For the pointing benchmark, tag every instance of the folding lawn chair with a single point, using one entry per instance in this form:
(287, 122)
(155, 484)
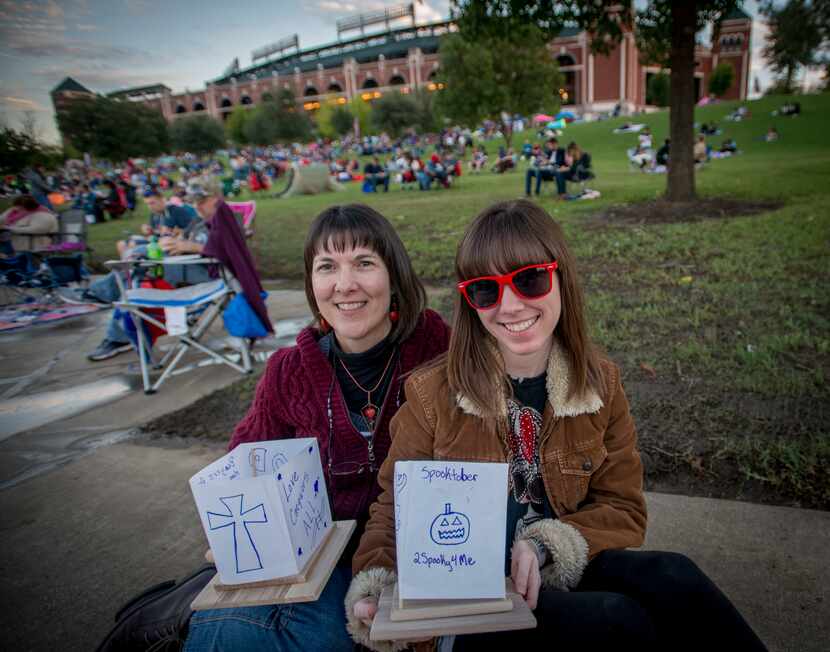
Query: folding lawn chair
(199, 305)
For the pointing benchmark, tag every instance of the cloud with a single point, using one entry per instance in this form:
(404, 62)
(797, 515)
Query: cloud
(85, 27)
(20, 103)
(330, 11)
(104, 77)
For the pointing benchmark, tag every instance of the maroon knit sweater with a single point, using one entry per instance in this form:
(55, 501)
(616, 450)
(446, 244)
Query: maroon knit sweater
(291, 398)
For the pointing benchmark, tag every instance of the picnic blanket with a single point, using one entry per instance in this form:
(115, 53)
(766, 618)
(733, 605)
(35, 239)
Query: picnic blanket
(33, 314)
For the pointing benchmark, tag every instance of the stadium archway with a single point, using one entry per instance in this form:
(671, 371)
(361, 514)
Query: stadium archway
(370, 83)
(397, 80)
(226, 103)
(246, 99)
(198, 106)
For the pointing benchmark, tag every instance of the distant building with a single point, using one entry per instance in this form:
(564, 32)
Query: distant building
(404, 59)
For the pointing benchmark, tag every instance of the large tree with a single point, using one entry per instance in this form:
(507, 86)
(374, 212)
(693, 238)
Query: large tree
(199, 134)
(665, 34)
(394, 113)
(795, 35)
(112, 129)
(493, 73)
(278, 120)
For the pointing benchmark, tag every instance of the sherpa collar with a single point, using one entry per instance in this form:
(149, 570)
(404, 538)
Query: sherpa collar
(558, 383)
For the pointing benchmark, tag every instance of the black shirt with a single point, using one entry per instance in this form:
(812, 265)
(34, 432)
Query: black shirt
(528, 393)
(366, 367)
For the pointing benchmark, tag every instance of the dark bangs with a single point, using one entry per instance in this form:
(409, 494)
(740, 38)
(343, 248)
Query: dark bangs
(345, 227)
(503, 238)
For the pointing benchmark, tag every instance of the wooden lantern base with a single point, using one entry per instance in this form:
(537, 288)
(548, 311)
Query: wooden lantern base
(305, 587)
(402, 620)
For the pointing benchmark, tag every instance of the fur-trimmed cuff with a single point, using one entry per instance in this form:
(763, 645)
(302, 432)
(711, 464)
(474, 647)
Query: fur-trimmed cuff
(568, 552)
(369, 583)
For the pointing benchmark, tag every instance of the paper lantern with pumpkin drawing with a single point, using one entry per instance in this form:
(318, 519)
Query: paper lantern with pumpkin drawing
(450, 528)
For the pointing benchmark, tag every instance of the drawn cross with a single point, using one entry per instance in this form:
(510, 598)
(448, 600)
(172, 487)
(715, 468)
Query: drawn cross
(244, 550)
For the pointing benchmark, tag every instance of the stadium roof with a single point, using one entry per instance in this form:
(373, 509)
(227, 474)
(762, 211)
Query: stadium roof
(393, 44)
(139, 90)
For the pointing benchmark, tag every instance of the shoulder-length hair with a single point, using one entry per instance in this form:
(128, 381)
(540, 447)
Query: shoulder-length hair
(348, 226)
(505, 237)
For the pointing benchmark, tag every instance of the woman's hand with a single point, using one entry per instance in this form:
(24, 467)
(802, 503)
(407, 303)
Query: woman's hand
(524, 569)
(365, 610)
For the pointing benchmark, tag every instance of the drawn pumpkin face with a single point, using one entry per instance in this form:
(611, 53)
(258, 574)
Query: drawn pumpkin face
(450, 528)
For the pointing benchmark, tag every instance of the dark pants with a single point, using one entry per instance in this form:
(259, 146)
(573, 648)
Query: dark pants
(541, 175)
(377, 180)
(631, 600)
(562, 178)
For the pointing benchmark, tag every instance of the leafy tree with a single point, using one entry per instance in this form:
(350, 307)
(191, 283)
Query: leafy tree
(333, 120)
(19, 150)
(427, 114)
(658, 91)
(235, 125)
(795, 35)
(481, 80)
(198, 134)
(665, 33)
(394, 113)
(342, 120)
(721, 79)
(113, 130)
(278, 120)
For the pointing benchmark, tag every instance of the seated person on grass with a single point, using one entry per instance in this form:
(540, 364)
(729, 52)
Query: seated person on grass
(663, 153)
(434, 170)
(25, 226)
(164, 220)
(376, 174)
(543, 168)
(577, 168)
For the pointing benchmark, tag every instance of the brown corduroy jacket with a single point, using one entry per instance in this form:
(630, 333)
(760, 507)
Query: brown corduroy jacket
(589, 460)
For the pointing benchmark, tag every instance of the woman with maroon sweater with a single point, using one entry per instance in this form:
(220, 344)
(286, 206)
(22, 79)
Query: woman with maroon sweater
(342, 383)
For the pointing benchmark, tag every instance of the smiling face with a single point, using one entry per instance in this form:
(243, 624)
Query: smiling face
(353, 291)
(523, 329)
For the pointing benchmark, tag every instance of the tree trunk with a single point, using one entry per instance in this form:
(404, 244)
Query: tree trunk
(681, 175)
(788, 84)
(507, 132)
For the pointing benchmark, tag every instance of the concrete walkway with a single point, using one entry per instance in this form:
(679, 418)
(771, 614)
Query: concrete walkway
(92, 514)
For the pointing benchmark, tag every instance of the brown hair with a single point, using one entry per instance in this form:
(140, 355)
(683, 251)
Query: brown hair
(358, 225)
(504, 237)
(575, 151)
(26, 202)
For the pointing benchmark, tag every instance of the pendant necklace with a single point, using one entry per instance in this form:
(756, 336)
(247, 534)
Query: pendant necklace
(370, 410)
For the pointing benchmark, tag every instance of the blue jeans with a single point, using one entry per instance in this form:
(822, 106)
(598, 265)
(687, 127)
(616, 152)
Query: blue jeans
(541, 175)
(300, 627)
(106, 289)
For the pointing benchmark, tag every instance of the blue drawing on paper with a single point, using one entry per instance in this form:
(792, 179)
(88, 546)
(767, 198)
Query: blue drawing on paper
(450, 528)
(277, 460)
(257, 458)
(237, 517)
(400, 483)
(316, 487)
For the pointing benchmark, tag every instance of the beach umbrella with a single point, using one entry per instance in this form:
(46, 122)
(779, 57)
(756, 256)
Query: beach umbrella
(557, 124)
(565, 115)
(541, 117)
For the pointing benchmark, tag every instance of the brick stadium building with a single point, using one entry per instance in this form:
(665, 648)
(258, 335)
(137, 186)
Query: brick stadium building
(403, 59)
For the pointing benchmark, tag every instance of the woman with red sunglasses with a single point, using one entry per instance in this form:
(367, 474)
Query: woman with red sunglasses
(522, 383)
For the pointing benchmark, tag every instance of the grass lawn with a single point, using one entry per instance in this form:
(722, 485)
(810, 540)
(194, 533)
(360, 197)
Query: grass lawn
(720, 325)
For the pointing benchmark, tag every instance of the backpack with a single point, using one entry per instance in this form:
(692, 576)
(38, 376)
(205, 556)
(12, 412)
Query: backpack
(158, 618)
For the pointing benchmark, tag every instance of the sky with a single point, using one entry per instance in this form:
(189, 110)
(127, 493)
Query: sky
(108, 45)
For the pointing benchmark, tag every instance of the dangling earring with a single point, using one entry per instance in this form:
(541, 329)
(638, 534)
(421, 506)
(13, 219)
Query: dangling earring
(324, 325)
(393, 310)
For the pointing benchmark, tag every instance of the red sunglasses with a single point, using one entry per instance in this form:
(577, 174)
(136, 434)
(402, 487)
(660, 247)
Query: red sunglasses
(530, 282)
